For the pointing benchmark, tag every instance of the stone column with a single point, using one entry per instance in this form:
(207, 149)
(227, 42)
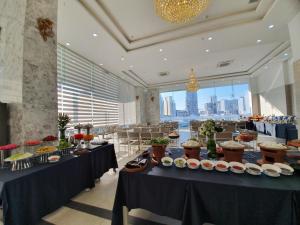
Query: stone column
(152, 106)
(35, 115)
(294, 30)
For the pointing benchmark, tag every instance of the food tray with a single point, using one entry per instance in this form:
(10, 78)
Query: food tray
(21, 164)
(135, 170)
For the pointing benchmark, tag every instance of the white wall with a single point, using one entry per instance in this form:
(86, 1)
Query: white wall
(294, 30)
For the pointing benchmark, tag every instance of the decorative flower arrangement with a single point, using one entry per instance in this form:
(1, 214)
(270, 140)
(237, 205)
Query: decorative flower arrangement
(209, 128)
(50, 138)
(63, 120)
(8, 147)
(32, 142)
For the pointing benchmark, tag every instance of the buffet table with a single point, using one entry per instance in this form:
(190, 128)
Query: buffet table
(198, 196)
(30, 194)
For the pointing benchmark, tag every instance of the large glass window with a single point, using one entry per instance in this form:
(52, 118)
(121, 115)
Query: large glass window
(86, 92)
(228, 102)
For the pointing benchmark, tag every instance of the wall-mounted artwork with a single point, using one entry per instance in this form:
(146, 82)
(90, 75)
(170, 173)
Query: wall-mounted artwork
(45, 27)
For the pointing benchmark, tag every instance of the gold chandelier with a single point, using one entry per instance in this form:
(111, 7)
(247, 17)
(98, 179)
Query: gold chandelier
(192, 85)
(180, 11)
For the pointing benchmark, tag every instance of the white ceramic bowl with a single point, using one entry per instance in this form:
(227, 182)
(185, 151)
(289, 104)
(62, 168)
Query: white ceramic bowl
(253, 169)
(167, 159)
(221, 169)
(178, 166)
(268, 168)
(285, 169)
(204, 162)
(53, 158)
(196, 161)
(234, 169)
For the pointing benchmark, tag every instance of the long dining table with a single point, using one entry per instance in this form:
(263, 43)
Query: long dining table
(199, 196)
(30, 194)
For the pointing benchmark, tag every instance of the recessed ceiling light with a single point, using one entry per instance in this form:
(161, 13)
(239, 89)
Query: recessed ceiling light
(101, 64)
(207, 50)
(210, 38)
(286, 54)
(266, 67)
(95, 35)
(258, 41)
(165, 59)
(67, 43)
(131, 66)
(160, 49)
(271, 26)
(122, 58)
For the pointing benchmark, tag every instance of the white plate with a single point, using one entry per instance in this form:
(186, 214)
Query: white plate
(277, 170)
(193, 161)
(169, 159)
(221, 169)
(53, 161)
(284, 167)
(184, 162)
(232, 169)
(253, 172)
(207, 161)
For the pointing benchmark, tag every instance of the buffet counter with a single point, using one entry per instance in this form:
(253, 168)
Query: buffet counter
(30, 194)
(199, 196)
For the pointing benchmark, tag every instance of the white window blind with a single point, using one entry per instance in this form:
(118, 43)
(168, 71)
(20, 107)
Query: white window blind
(86, 92)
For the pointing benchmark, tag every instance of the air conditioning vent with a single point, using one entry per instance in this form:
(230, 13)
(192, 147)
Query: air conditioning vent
(162, 74)
(225, 63)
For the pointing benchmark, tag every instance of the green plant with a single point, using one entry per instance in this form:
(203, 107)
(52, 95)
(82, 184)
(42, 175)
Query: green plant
(63, 120)
(159, 141)
(63, 144)
(209, 128)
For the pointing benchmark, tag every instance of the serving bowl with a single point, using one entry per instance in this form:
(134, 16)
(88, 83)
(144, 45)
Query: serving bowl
(253, 169)
(207, 164)
(180, 162)
(167, 161)
(193, 163)
(222, 166)
(237, 167)
(271, 170)
(285, 169)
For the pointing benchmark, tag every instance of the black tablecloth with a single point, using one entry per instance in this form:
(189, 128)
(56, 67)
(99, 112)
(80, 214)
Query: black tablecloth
(198, 196)
(30, 194)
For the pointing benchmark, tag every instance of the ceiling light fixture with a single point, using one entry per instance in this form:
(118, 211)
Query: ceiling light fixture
(286, 54)
(165, 59)
(258, 41)
(101, 64)
(160, 49)
(122, 58)
(68, 44)
(207, 50)
(95, 35)
(131, 66)
(210, 38)
(180, 11)
(271, 26)
(192, 85)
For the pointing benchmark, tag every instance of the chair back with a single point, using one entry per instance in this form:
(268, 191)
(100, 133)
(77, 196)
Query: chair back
(133, 135)
(146, 136)
(157, 134)
(122, 134)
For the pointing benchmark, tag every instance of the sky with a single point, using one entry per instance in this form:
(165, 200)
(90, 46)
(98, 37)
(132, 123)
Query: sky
(223, 92)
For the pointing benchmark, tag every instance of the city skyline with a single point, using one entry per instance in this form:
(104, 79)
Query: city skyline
(209, 101)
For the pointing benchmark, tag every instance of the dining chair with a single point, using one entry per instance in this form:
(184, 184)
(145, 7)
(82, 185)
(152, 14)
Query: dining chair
(123, 140)
(145, 138)
(157, 134)
(134, 140)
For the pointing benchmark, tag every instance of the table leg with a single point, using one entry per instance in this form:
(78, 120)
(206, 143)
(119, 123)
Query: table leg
(125, 215)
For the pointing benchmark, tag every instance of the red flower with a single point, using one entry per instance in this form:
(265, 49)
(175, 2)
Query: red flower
(78, 136)
(8, 147)
(32, 142)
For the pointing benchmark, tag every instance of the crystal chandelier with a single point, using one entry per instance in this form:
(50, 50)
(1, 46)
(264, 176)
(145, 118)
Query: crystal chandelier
(192, 85)
(180, 11)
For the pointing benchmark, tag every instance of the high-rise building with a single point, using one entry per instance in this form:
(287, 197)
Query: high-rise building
(192, 103)
(161, 106)
(169, 106)
(242, 105)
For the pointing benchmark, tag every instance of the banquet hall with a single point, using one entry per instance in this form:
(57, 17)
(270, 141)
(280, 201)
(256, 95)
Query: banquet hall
(149, 112)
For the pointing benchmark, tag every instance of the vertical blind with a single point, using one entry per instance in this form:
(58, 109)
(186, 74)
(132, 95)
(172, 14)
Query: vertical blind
(86, 92)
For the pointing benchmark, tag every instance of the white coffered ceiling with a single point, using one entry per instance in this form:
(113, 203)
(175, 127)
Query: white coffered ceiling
(131, 29)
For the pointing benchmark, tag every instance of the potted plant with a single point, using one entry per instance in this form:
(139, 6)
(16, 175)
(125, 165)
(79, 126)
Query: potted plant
(159, 147)
(192, 148)
(208, 129)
